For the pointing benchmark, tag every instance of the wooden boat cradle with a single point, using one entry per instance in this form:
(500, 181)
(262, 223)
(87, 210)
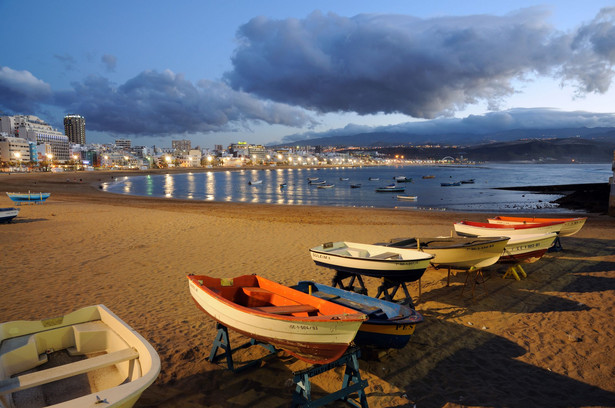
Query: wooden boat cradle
(388, 287)
(302, 396)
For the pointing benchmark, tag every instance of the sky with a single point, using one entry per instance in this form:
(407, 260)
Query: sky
(278, 71)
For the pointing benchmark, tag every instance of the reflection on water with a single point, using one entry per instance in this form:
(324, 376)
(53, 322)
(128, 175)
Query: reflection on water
(234, 186)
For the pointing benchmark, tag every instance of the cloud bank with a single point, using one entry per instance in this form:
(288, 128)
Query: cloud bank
(152, 103)
(420, 67)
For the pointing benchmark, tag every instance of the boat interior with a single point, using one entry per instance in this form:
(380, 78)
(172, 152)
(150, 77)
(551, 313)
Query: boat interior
(60, 364)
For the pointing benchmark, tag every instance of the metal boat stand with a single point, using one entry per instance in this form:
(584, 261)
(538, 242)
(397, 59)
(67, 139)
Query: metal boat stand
(512, 270)
(222, 341)
(557, 245)
(338, 281)
(477, 278)
(352, 383)
(388, 288)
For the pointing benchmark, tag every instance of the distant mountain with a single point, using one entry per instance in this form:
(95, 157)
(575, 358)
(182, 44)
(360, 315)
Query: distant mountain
(382, 139)
(566, 150)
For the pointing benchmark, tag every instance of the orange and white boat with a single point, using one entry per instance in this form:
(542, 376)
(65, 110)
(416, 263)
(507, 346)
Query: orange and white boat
(571, 225)
(314, 330)
(485, 229)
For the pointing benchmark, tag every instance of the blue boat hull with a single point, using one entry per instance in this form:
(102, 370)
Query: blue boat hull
(389, 324)
(28, 198)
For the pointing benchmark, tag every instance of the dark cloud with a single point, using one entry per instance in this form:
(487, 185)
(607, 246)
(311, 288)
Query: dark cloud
(109, 61)
(420, 67)
(154, 103)
(20, 91)
(519, 118)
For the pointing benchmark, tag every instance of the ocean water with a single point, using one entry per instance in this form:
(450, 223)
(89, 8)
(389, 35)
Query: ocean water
(234, 186)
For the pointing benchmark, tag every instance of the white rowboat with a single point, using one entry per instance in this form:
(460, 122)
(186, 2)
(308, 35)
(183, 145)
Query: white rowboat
(120, 364)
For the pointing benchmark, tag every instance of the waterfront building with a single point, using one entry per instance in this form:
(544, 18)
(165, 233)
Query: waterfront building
(124, 144)
(74, 128)
(35, 130)
(14, 150)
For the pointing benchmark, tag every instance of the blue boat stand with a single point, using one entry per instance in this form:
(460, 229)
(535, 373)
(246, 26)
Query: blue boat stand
(352, 383)
(222, 341)
(388, 288)
(302, 397)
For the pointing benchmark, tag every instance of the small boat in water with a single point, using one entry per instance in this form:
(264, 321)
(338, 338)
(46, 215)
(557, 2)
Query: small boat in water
(388, 324)
(400, 264)
(452, 184)
(374, 178)
(312, 178)
(317, 182)
(255, 182)
(571, 225)
(326, 186)
(391, 188)
(478, 229)
(527, 248)
(456, 252)
(28, 197)
(469, 181)
(87, 358)
(7, 214)
(402, 179)
(313, 330)
(406, 198)
(344, 178)
(429, 176)
(358, 185)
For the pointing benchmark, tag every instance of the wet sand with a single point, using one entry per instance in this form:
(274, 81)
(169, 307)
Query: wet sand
(544, 341)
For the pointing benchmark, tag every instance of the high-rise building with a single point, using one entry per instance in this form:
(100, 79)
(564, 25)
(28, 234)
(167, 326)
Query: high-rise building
(181, 146)
(34, 129)
(74, 128)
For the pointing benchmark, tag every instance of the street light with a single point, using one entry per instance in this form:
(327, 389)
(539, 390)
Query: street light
(18, 156)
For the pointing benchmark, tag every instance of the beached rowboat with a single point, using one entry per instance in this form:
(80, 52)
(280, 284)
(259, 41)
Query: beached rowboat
(482, 229)
(87, 358)
(457, 252)
(399, 264)
(7, 214)
(28, 197)
(407, 198)
(571, 225)
(527, 248)
(388, 324)
(313, 330)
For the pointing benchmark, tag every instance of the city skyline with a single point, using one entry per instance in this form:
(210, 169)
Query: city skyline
(281, 71)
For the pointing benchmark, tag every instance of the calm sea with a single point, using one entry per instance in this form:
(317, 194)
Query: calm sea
(234, 186)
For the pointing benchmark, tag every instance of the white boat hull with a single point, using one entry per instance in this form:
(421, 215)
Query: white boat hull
(475, 231)
(7, 214)
(527, 248)
(371, 260)
(570, 227)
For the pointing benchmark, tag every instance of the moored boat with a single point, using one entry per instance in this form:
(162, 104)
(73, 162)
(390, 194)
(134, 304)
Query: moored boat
(326, 185)
(429, 176)
(313, 330)
(477, 229)
(255, 182)
(399, 264)
(120, 364)
(571, 225)
(28, 197)
(388, 324)
(402, 179)
(7, 214)
(527, 248)
(457, 252)
(391, 188)
(407, 198)
(317, 182)
(452, 184)
(357, 185)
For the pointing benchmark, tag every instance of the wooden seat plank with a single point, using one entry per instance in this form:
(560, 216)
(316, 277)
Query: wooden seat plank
(385, 255)
(37, 378)
(285, 310)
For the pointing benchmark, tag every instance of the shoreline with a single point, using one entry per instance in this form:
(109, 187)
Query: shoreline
(542, 341)
(590, 198)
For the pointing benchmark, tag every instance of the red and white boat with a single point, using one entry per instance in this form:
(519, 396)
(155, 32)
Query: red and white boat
(571, 225)
(527, 248)
(485, 229)
(312, 329)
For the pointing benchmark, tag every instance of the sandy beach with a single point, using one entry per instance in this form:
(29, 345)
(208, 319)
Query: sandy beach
(545, 341)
